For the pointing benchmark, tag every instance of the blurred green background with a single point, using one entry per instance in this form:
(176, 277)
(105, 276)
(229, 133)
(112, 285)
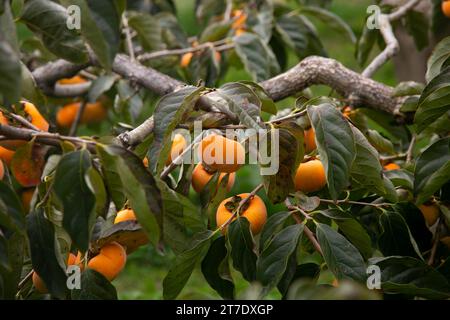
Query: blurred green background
(146, 269)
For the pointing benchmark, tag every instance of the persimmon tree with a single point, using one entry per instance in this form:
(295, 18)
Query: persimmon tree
(363, 173)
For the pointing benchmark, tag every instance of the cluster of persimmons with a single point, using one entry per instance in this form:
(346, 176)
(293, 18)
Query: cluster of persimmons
(111, 258)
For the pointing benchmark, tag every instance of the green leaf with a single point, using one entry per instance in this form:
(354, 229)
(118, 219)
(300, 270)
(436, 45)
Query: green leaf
(400, 178)
(410, 276)
(10, 72)
(417, 25)
(177, 211)
(171, 110)
(113, 183)
(432, 170)
(100, 86)
(297, 32)
(366, 169)
(129, 234)
(261, 20)
(434, 101)
(44, 258)
(380, 143)
(8, 26)
(396, 239)
(273, 261)
(94, 286)
(95, 183)
(216, 270)
(30, 90)
(100, 27)
(342, 258)
(11, 211)
(416, 224)
(439, 57)
(215, 31)
(242, 248)
(306, 203)
(242, 101)
(258, 59)
(184, 264)
(267, 104)
(148, 30)
(273, 225)
(16, 247)
(408, 88)
(48, 19)
(365, 44)
(290, 153)
(77, 199)
(352, 229)
(140, 188)
(335, 143)
(330, 19)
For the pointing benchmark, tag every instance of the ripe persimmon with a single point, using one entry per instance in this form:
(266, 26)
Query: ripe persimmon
(92, 113)
(446, 8)
(73, 260)
(347, 111)
(391, 166)
(240, 19)
(310, 140)
(310, 176)
(200, 177)
(6, 155)
(33, 115)
(145, 162)
(221, 154)
(125, 215)
(254, 210)
(186, 59)
(430, 212)
(74, 80)
(110, 261)
(178, 145)
(39, 284)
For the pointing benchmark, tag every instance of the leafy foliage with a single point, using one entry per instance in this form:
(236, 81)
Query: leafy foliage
(64, 192)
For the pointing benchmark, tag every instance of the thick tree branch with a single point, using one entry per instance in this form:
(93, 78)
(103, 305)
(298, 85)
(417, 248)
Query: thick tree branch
(311, 71)
(317, 70)
(47, 75)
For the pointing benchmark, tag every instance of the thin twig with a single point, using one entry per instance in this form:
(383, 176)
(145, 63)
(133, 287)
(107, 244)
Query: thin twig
(376, 205)
(179, 52)
(402, 10)
(23, 121)
(129, 40)
(288, 117)
(228, 10)
(25, 279)
(176, 161)
(393, 157)
(239, 207)
(307, 231)
(78, 117)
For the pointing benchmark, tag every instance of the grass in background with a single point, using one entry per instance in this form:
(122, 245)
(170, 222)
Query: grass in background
(145, 269)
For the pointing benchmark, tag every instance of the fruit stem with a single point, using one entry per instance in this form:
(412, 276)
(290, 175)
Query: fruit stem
(306, 229)
(175, 161)
(76, 122)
